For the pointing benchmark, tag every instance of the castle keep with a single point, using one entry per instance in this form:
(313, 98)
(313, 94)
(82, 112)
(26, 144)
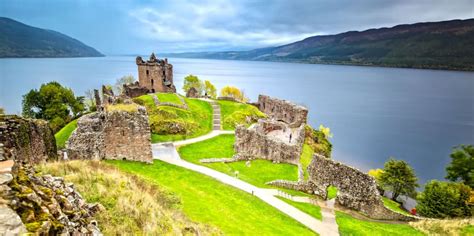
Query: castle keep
(155, 75)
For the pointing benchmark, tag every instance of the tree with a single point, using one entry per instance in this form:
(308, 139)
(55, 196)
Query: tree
(398, 177)
(462, 165)
(376, 173)
(234, 92)
(2, 111)
(209, 89)
(128, 79)
(192, 81)
(54, 103)
(445, 199)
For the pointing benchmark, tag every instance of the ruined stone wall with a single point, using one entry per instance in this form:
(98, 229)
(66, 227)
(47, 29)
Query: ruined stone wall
(134, 90)
(253, 143)
(283, 110)
(26, 139)
(42, 205)
(112, 135)
(155, 75)
(356, 190)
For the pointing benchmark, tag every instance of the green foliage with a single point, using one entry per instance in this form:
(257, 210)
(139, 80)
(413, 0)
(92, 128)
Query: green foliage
(192, 81)
(308, 208)
(170, 123)
(331, 192)
(2, 111)
(398, 177)
(209, 201)
(210, 89)
(234, 92)
(349, 225)
(54, 103)
(445, 199)
(305, 159)
(318, 141)
(462, 165)
(63, 135)
(127, 79)
(376, 173)
(235, 113)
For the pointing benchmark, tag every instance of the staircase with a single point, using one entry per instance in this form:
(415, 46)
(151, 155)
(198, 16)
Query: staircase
(216, 115)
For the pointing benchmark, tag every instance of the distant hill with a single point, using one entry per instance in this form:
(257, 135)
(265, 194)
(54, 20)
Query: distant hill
(434, 45)
(20, 40)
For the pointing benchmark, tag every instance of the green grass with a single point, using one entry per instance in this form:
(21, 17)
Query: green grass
(332, 192)
(468, 230)
(171, 123)
(169, 97)
(63, 135)
(352, 226)
(394, 206)
(307, 208)
(234, 113)
(208, 201)
(306, 157)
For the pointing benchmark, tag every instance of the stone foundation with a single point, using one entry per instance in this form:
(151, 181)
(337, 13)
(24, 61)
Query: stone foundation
(118, 135)
(283, 110)
(26, 140)
(356, 190)
(269, 140)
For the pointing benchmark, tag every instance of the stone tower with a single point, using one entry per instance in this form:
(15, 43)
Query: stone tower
(155, 75)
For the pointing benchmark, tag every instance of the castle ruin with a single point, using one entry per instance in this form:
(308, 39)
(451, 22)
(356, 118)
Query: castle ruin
(155, 75)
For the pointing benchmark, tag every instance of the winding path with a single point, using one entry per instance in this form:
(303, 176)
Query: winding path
(167, 152)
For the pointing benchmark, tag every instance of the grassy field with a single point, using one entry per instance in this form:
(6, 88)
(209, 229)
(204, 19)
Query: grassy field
(354, 227)
(132, 205)
(63, 135)
(234, 113)
(169, 97)
(208, 201)
(394, 206)
(257, 173)
(307, 208)
(171, 123)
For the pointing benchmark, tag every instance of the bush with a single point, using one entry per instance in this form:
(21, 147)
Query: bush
(233, 92)
(318, 141)
(445, 199)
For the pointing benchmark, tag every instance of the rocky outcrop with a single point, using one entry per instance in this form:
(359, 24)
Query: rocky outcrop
(270, 140)
(26, 140)
(356, 189)
(116, 134)
(43, 205)
(283, 110)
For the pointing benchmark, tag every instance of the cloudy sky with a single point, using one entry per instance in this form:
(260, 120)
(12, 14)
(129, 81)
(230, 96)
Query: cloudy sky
(130, 27)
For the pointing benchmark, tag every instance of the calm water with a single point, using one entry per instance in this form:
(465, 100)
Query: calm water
(374, 113)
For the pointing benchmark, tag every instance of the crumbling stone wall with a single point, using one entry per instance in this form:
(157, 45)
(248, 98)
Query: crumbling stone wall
(134, 90)
(120, 135)
(42, 205)
(356, 190)
(283, 110)
(26, 139)
(255, 142)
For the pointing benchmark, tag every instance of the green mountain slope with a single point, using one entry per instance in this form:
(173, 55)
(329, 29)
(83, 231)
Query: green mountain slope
(436, 45)
(20, 40)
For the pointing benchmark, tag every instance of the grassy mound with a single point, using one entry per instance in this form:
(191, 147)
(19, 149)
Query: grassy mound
(171, 123)
(352, 226)
(169, 98)
(208, 201)
(63, 134)
(394, 206)
(133, 206)
(235, 113)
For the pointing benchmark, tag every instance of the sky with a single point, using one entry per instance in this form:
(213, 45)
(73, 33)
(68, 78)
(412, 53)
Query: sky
(123, 27)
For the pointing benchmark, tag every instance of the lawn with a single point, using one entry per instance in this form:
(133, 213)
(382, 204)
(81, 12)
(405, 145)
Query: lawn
(234, 113)
(307, 208)
(352, 226)
(306, 157)
(169, 97)
(205, 200)
(394, 206)
(63, 135)
(170, 123)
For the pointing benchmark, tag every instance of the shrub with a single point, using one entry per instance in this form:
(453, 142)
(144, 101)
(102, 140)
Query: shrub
(445, 199)
(318, 141)
(234, 92)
